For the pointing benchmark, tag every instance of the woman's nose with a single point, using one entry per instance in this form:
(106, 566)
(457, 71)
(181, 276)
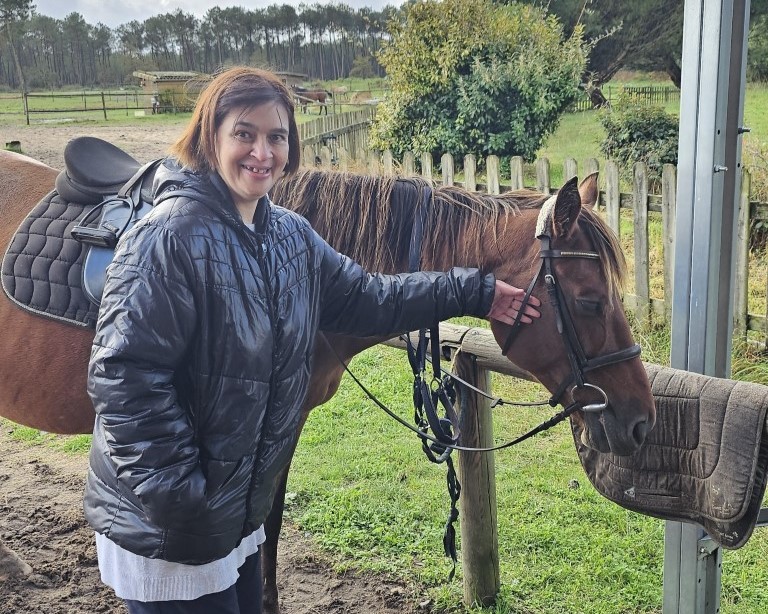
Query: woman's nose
(261, 149)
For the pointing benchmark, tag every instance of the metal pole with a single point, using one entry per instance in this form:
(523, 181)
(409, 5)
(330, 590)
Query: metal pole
(709, 175)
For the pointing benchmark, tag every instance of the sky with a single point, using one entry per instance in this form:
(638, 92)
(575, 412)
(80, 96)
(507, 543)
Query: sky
(116, 12)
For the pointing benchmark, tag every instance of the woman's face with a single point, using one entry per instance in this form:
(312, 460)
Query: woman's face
(251, 152)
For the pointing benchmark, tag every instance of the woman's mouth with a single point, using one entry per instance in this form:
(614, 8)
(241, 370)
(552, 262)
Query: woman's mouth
(257, 171)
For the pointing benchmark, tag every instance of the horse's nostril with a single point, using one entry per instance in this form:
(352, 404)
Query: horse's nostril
(640, 431)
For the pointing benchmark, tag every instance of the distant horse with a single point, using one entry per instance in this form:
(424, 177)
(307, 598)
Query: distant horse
(304, 96)
(43, 362)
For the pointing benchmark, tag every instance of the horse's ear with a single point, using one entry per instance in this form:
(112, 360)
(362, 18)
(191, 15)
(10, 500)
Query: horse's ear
(567, 209)
(589, 191)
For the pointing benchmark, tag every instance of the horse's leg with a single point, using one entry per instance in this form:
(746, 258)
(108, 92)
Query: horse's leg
(11, 566)
(272, 527)
(326, 377)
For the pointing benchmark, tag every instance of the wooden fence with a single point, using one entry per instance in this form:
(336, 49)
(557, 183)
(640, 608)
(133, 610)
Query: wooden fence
(647, 95)
(327, 140)
(640, 201)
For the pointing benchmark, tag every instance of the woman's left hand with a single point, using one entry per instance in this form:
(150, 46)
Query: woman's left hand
(507, 302)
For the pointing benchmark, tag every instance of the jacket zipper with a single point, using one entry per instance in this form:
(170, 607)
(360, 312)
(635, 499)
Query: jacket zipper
(261, 255)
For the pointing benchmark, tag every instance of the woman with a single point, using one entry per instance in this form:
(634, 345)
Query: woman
(200, 362)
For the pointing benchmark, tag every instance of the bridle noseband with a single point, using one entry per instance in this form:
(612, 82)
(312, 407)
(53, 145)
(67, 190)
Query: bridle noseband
(577, 357)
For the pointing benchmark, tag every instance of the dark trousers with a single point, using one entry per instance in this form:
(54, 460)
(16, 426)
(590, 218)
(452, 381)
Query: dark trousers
(243, 597)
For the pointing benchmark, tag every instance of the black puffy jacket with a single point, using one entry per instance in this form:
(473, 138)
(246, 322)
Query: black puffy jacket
(201, 361)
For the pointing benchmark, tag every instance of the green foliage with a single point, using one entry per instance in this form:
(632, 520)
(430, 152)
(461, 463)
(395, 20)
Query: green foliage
(757, 54)
(470, 76)
(639, 133)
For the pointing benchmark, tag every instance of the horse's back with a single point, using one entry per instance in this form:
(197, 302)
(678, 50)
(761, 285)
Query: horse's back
(43, 362)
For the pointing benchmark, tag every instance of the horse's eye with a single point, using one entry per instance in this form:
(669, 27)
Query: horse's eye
(589, 307)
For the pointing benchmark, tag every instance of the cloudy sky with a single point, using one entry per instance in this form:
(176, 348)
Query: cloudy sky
(116, 12)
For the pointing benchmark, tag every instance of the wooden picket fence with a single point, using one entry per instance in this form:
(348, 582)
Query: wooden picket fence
(640, 201)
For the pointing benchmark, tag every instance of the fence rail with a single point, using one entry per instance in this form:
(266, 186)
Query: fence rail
(640, 201)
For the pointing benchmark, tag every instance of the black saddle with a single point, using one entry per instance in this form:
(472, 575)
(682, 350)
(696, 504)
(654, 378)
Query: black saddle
(55, 264)
(93, 169)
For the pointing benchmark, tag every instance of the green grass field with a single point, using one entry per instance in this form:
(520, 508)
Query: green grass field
(361, 487)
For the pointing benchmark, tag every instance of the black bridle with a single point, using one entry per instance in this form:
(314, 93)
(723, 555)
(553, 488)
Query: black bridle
(577, 357)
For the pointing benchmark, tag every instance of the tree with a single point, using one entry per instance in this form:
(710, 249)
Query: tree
(472, 76)
(12, 13)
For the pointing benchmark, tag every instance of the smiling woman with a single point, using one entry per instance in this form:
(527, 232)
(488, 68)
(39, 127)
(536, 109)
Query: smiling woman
(202, 356)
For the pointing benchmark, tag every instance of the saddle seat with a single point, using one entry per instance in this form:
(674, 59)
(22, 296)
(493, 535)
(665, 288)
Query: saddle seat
(93, 169)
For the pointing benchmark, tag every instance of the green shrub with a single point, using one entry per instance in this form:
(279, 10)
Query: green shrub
(639, 133)
(757, 54)
(474, 76)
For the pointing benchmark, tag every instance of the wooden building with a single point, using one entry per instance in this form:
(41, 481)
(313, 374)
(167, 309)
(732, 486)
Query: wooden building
(167, 81)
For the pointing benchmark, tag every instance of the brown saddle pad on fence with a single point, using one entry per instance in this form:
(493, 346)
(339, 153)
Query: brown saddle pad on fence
(704, 462)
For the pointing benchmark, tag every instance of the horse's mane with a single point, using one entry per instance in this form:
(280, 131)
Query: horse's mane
(370, 218)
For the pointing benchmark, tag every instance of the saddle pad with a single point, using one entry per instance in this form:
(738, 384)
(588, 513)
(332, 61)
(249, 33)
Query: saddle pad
(42, 267)
(704, 462)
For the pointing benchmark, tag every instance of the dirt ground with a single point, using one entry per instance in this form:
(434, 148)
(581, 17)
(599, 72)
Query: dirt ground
(41, 489)
(46, 142)
(41, 519)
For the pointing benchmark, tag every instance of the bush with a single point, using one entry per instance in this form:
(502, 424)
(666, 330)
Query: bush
(473, 76)
(757, 54)
(639, 133)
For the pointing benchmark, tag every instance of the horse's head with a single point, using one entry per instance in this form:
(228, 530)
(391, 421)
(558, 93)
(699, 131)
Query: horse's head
(581, 349)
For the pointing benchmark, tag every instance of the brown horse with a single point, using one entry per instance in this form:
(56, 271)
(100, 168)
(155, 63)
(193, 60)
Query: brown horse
(304, 96)
(371, 219)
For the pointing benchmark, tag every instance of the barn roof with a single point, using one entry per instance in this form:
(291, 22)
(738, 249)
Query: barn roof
(165, 75)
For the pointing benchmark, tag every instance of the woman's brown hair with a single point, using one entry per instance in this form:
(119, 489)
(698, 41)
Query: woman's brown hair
(237, 87)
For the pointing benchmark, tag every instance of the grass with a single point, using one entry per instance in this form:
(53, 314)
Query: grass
(360, 485)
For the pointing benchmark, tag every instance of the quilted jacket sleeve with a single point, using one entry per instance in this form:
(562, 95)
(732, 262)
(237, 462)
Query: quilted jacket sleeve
(355, 302)
(146, 321)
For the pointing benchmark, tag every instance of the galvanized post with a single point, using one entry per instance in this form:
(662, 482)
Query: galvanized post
(708, 184)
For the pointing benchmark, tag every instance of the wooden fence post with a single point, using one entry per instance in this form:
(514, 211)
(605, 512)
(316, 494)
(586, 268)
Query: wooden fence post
(389, 163)
(542, 175)
(374, 164)
(570, 169)
(309, 156)
(492, 175)
(426, 166)
(325, 158)
(409, 164)
(668, 205)
(640, 209)
(741, 280)
(477, 515)
(516, 173)
(591, 165)
(104, 105)
(343, 155)
(612, 196)
(446, 168)
(470, 167)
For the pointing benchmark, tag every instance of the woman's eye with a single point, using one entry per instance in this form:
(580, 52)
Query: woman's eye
(243, 137)
(278, 138)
